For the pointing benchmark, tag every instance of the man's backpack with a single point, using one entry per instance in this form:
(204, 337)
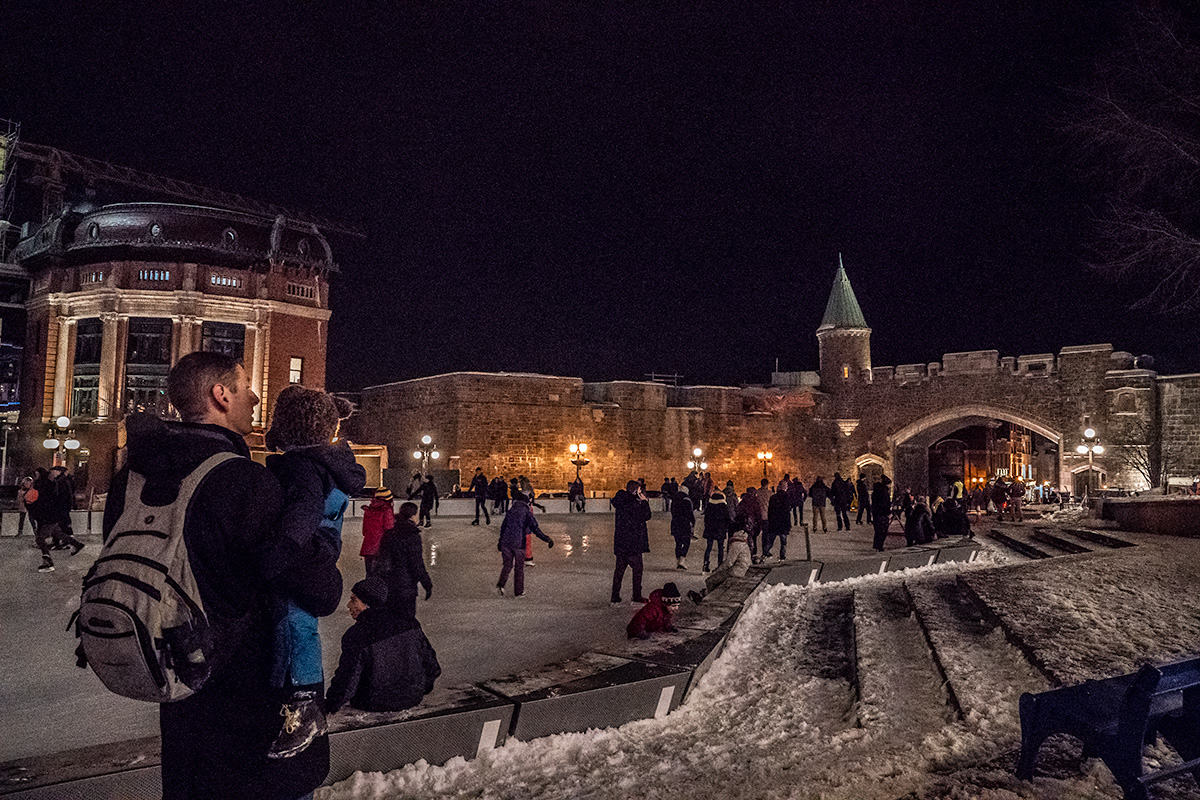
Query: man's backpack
(141, 623)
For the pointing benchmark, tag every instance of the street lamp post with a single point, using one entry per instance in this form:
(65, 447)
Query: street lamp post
(60, 439)
(697, 461)
(765, 458)
(579, 456)
(1090, 445)
(426, 452)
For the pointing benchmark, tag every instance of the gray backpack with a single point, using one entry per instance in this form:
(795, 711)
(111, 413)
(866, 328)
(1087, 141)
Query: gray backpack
(141, 623)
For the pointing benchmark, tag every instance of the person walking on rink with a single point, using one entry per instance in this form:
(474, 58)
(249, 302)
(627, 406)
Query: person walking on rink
(402, 562)
(683, 520)
(716, 527)
(779, 522)
(863, 493)
(378, 518)
(818, 493)
(631, 538)
(428, 495)
(881, 508)
(479, 488)
(519, 524)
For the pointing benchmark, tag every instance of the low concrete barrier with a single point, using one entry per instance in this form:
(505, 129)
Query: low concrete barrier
(1174, 516)
(625, 691)
(473, 722)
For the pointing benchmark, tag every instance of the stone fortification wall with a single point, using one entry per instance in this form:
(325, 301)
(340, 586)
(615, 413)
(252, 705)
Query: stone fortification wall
(523, 424)
(1180, 420)
(514, 424)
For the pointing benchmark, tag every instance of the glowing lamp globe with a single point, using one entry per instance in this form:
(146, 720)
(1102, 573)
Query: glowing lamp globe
(1089, 433)
(583, 447)
(63, 422)
(416, 453)
(435, 455)
(1098, 449)
(50, 444)
(71, 444)
(1082, 449)
(426, 440)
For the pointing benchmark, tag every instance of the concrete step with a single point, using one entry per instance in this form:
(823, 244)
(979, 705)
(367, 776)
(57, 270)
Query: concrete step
(1050, 536)
(900, 684)
(1017, 545)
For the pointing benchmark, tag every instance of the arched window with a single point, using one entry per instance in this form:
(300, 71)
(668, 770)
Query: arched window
(1124, 403)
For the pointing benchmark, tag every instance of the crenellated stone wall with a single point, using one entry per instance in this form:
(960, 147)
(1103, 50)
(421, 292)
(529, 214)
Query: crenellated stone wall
(523, 424)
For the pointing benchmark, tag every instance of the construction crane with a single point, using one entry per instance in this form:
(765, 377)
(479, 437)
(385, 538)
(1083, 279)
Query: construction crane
(53, 167)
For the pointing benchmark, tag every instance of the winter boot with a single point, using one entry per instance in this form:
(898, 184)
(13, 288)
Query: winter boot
(303, 722)
(680, 563)
(47, 565)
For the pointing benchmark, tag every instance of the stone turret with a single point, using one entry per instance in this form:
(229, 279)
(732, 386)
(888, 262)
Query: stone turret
(843, 337)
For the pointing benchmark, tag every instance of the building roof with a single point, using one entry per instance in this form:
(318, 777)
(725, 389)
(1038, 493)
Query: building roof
(842, 310)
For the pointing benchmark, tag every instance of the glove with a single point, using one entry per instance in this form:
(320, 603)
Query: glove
(550, 544)
(428, 593)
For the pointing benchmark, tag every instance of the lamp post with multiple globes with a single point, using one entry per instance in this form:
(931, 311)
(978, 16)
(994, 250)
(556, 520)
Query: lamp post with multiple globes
(1091, 447)
(60, 439)
(697, 462)
(426, 452)
(579, 456)
(765, 457)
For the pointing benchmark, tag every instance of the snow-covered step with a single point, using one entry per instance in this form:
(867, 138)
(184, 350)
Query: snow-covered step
(900, 685)
(985, 672)
(1051, 537)
(1016, 545)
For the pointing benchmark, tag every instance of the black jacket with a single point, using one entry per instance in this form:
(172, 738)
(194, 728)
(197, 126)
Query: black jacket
(779, 515)
(387, 664)
(308, 475)
(630, 535)
(881, 501)
(683, 519)
(214, 743)
(716, 522)
(403, 562)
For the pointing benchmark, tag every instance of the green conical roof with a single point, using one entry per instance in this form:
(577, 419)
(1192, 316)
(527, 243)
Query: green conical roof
(842, 310)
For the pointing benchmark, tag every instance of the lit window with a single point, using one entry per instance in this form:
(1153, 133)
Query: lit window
(845, 371)
(295, 369)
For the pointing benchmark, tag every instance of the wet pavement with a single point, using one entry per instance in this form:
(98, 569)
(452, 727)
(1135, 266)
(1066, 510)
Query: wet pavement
(47, 704)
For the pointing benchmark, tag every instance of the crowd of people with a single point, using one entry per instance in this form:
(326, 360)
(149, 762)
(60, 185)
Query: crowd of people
(262, 546)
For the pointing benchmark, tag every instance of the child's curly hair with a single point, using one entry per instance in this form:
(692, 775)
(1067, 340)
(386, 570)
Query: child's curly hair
(305, 417)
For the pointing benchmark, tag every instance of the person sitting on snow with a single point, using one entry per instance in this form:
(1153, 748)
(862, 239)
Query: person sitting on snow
(737, 562)
(656, 615)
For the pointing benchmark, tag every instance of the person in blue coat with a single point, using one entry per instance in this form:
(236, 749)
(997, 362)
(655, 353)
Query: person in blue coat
(518, 523)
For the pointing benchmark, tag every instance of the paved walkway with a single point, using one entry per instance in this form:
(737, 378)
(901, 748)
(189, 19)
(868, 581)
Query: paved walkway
(48, 705)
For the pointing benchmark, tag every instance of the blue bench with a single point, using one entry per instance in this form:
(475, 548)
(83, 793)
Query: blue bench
(1116, 717)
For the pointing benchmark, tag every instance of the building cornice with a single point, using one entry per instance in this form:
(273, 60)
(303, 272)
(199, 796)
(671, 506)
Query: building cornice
(143, 303)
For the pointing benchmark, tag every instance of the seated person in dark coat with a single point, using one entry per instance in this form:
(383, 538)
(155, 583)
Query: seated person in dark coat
(387, 664)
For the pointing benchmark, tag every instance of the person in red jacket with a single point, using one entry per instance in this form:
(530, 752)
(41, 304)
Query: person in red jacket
(378, 518)
(656, 615)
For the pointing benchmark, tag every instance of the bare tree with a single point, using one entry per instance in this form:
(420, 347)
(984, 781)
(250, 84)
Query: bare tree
(1136, 129)
(1139, 447)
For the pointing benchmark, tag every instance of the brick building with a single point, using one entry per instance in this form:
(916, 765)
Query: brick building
(971, 415)
(119, 293)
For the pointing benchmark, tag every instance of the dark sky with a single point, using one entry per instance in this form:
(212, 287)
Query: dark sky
(606, 190)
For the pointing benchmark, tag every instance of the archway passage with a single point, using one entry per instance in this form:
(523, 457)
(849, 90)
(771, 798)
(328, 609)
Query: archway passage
(974, 445)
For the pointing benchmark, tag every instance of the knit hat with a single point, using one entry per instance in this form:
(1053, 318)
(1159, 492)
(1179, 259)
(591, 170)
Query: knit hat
(372, 591)
(716, 497)
(670, 594)
(383, 493)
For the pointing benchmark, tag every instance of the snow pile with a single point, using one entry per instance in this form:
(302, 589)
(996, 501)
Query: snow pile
(776, 718)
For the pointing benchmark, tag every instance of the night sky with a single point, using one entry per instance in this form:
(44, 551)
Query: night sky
(606, 190)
